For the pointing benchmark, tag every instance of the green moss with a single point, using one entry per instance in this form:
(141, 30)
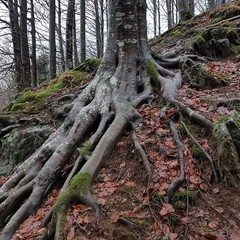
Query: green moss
(152, 72)
(23, 97)
(181, 199)
(176, 33)
(158, 197)
(180, 205)
(18, 106)
(86, 151)
(196, 152)
(79, 185)
(90, 65)
(217, 19)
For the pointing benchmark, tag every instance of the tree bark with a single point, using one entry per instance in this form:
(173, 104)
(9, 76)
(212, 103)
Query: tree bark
(34, 81)
(69, 33)
(52, 40)
(60, 38)
(13, 14)
(82, 31)
(26, 73)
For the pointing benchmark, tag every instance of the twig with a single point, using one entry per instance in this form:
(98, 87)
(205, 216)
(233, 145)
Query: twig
(5, 130)
(175, 184)
(144, 157)
(222, 216)
(216, 178)
(228, 102)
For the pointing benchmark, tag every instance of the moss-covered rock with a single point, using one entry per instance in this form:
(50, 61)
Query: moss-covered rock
(216, 41)
(227, 135)
(89, 65)
(16, 146)
(198, 75)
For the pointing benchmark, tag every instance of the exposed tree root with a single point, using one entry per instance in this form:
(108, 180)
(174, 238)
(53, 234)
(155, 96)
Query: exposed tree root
(215, 175)
(144, 157)
(7, 129)
(177, 182)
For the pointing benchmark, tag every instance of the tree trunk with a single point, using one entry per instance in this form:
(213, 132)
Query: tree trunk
(76, 57)
(26, 73)
(34, 81)
(52, 41)
(13, 15)
(98, 29)
(82, 31)
(60, 38)
(69, 33)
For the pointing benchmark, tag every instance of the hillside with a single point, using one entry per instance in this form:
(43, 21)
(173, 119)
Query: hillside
(132, 207)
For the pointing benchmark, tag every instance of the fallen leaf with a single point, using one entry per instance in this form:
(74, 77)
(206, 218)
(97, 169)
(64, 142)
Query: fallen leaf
(210, 236)
(219, 209)
(213, 224)
(167, 208)
(204, 187)
(216, 190)
(115, 217)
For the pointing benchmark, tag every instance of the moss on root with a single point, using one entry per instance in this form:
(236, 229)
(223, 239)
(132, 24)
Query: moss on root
(79, 186)
(152, 72)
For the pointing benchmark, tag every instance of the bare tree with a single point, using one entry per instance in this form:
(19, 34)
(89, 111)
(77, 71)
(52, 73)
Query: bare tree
(34, 81)
(69, 33)
(82, 31)
(52, 40)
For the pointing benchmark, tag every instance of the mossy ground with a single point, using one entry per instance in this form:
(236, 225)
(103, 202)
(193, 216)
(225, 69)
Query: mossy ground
(35, 98)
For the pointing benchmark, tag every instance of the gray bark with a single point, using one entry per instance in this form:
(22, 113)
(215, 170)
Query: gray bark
(69, 33)
(82, 31)
(34, 81)
(52, 40)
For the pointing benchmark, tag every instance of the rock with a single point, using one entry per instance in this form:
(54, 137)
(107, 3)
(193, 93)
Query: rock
(215, 42)
(198, 76)
(19, 144)
(227, 135)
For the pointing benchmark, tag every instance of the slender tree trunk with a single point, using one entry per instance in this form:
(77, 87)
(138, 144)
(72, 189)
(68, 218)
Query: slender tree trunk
(155, 17)
(13, 15)
(76, 57)
(69, 33)
(26, 73)
(82, 31)
(98, 28)
(60, 38)
(52, 40)
(102, 28)
(34, 81)
(169, 13)
(159, 18)
(211, 4)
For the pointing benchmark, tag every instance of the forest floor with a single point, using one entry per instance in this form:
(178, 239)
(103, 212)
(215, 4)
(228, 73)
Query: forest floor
(133, 209)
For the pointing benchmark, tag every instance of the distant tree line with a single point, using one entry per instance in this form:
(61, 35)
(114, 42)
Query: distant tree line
(42, 38)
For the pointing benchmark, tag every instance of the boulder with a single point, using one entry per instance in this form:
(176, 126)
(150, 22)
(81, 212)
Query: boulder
(227, 135)
(19, 144)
